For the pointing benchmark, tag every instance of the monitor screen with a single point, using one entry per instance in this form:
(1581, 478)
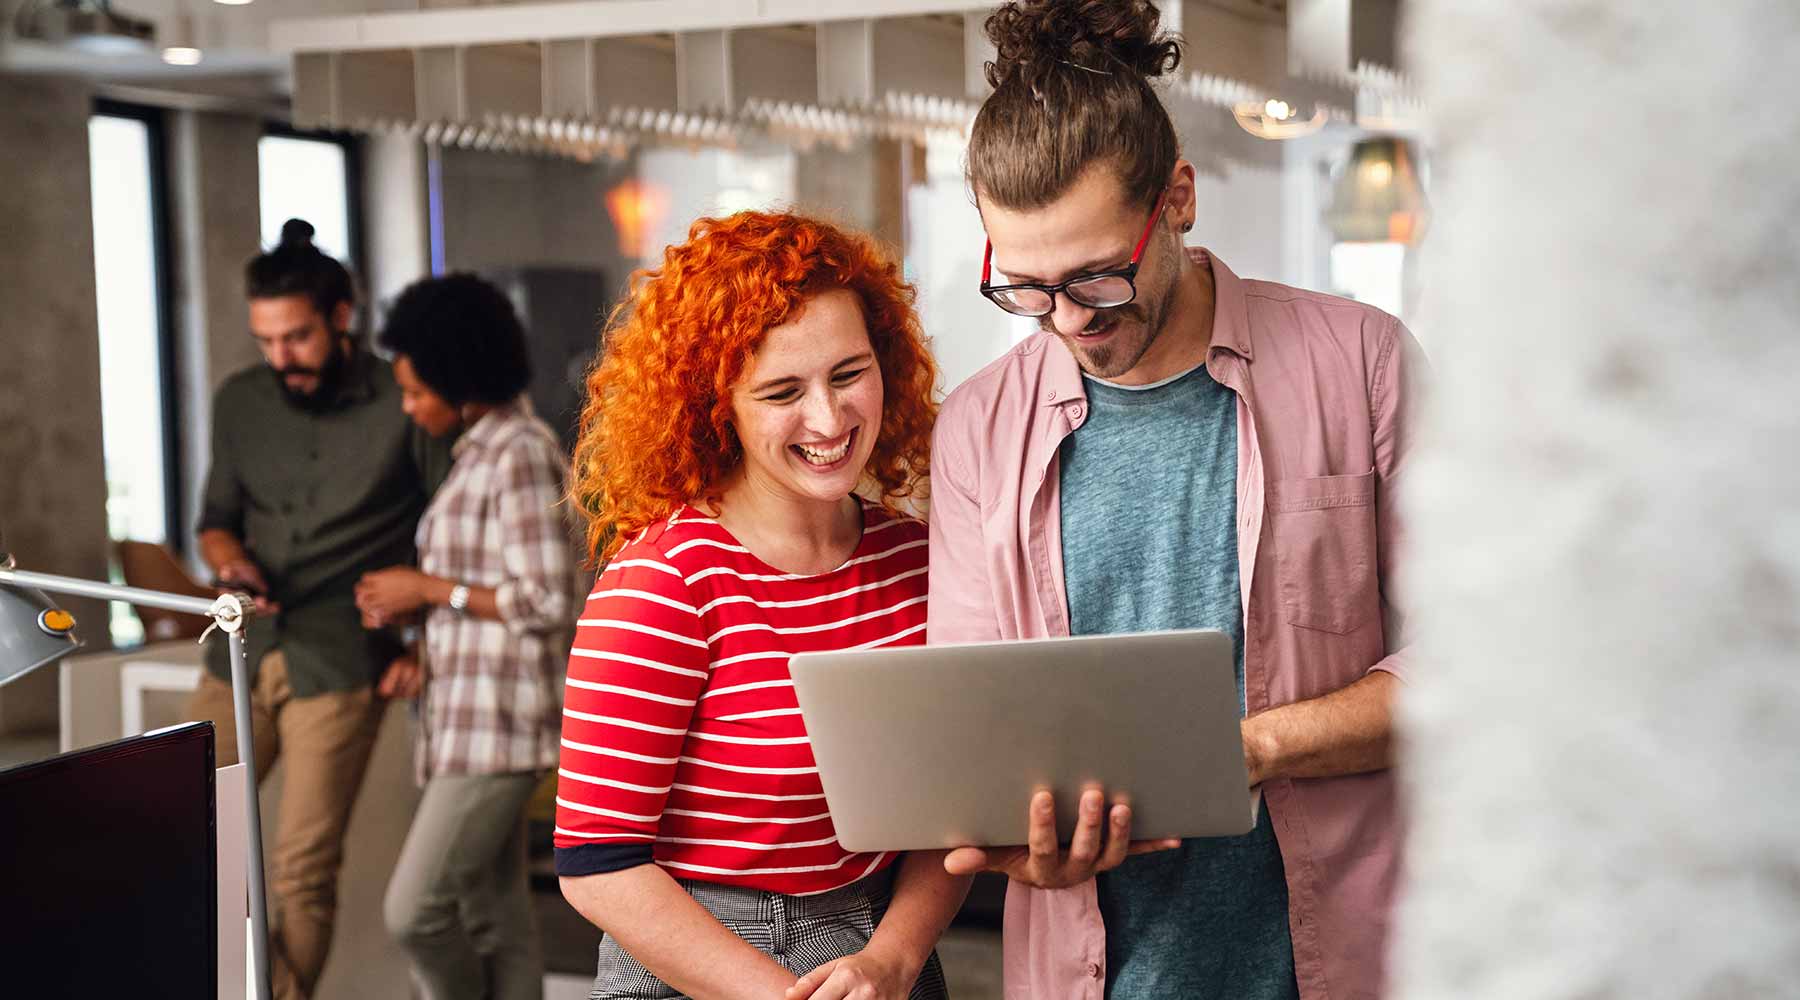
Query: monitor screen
(111, 877)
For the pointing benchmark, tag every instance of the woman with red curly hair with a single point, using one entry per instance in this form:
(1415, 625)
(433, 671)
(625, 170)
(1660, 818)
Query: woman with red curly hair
(764, 404)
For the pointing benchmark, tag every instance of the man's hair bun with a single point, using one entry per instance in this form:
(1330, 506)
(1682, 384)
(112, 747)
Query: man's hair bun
(296, 233)
(1034, 38)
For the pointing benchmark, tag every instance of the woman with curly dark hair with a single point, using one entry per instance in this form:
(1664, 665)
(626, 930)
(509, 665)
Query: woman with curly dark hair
(763, 407)
(497, 590)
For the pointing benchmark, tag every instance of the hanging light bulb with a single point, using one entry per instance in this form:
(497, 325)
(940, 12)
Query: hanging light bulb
(179, 48)
(1377, 197)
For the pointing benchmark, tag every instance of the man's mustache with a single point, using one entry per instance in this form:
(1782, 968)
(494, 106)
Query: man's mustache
(1101, 320)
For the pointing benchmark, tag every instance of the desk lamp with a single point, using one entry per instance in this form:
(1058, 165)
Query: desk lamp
(35, 632)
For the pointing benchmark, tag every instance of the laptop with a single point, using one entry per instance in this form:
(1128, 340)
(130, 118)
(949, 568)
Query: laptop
(927, 747)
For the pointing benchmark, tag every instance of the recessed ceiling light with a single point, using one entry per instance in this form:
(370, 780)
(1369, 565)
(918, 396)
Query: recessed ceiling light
(181, 55)
(232, 3)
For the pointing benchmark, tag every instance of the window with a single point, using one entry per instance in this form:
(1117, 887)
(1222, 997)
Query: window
(308, 177)
(1371, 272)
(131, 295)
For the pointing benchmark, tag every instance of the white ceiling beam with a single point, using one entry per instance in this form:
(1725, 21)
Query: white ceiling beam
(775, 65)
(978, 51)
(703, 71)
(437, 84)
(448, 27)
(502, 80)
(846, 59)
(1334, 37)
(915, 56)
(716, 71)
(1232, 40)
(353, 89)
(569, 78)
(589, 78)
(634, 73)
(315, 78)
(861, 62)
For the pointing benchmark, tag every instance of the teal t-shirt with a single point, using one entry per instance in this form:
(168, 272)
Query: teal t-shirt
(1149, 527)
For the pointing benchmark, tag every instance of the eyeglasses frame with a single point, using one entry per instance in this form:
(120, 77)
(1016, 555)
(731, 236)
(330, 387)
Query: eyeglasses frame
(1128, 272)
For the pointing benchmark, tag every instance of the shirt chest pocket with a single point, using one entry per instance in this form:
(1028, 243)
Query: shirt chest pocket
(1324, 528)
(459, 534)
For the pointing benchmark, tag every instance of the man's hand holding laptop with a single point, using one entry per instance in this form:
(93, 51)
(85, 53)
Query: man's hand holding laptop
(1101, 842)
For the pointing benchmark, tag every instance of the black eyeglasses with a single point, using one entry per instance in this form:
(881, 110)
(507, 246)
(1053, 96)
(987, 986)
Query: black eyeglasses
(1099, 290)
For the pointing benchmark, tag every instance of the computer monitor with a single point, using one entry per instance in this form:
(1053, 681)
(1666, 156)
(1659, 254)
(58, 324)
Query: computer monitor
(111, 884)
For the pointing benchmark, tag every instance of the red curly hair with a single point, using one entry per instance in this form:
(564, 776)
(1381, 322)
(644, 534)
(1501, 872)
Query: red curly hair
(656, 430)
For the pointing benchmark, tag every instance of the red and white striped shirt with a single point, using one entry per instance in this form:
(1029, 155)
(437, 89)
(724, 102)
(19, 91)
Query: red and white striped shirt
(682, 742)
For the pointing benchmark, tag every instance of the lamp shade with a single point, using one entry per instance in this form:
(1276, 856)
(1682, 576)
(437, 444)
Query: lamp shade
(1377, 198)
(33, 631)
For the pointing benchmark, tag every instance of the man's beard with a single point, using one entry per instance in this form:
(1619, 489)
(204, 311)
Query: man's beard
(330, 377)
(1120, 352)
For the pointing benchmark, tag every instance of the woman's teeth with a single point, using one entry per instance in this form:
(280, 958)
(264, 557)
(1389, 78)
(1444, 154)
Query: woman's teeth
(818, 457)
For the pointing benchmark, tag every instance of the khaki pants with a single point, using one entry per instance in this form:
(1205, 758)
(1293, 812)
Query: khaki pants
(326, 740)
(459, 902)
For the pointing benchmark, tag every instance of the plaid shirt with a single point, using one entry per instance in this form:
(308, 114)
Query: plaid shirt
(491, 702)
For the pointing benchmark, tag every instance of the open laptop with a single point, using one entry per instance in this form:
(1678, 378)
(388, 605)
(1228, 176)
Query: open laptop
(942, 746)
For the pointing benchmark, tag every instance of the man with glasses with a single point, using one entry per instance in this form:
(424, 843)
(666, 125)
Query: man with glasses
(1178, 448)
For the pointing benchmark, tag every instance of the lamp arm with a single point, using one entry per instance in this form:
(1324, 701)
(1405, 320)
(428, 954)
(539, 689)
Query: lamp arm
(74, 587)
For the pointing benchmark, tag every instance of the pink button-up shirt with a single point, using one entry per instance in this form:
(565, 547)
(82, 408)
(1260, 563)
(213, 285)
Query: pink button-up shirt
(1321, 388)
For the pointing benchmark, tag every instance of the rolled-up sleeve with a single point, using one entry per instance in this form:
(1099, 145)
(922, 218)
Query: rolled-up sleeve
(1399, 365)
(539, 592)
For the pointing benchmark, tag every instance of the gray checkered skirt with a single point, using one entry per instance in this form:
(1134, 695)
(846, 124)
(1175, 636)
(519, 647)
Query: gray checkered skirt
(800, 932)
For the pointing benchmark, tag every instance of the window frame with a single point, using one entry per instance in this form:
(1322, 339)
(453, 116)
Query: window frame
(155, 122)
(351, 143)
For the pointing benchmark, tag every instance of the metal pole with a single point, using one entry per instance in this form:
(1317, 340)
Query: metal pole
(259, 907)
(108, 592)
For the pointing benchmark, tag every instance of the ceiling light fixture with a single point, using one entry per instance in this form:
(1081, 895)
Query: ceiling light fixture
(1377, 197)
(179, 48)
(1277, 119)
(84, 25)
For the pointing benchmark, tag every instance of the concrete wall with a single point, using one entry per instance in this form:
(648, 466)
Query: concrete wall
(395, 227)
(503, 210)
(214, 208)
(52, 474)
(1604, 751)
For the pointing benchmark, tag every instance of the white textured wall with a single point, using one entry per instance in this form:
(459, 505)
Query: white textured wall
(1604, 757)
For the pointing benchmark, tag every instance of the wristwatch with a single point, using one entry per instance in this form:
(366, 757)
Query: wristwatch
(459, 598)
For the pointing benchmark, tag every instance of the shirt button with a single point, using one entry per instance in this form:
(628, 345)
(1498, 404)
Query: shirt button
(1051, 396)
(1093, 970)
(1077, 412)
